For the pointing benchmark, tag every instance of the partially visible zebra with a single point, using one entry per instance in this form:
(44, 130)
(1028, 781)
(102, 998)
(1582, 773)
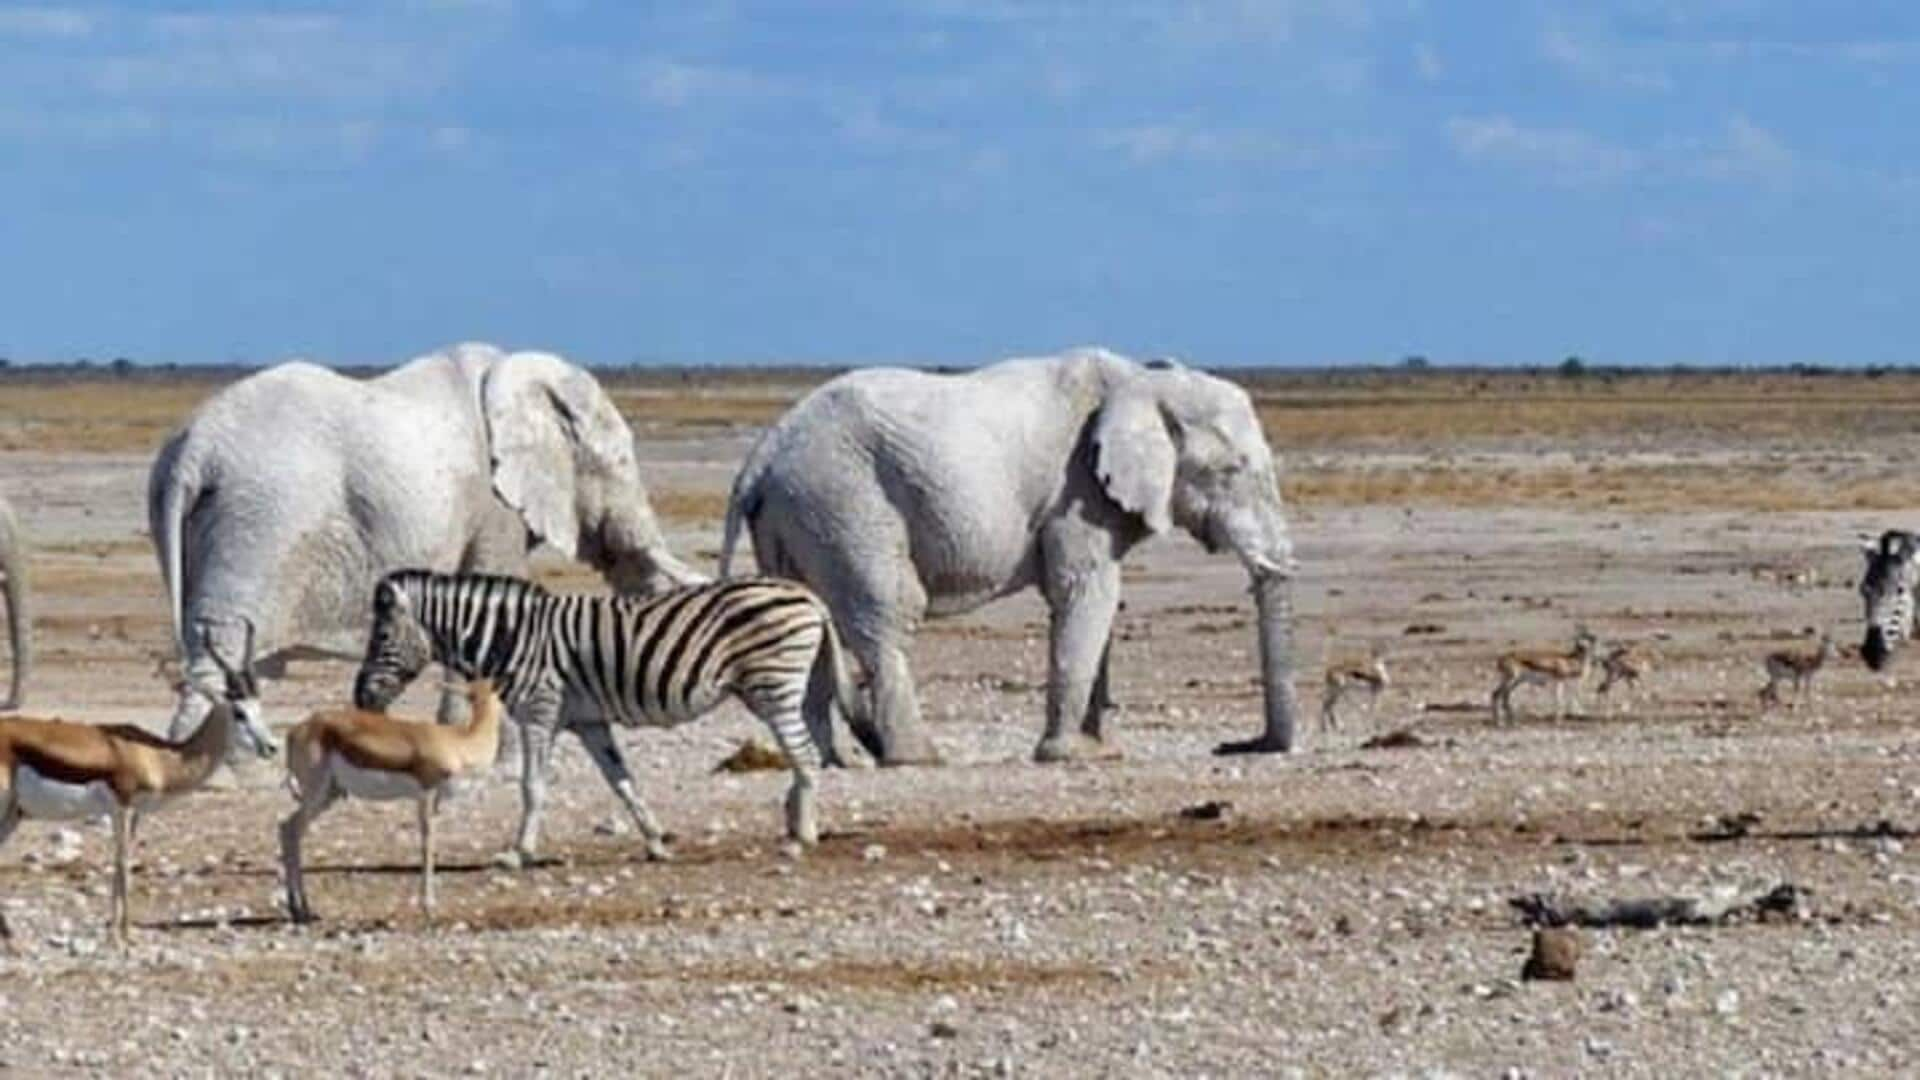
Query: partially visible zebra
(584, 661)
(1888, 587)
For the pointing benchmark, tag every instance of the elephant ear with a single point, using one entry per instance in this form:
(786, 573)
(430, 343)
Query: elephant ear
(1134, 457)
(549, 427)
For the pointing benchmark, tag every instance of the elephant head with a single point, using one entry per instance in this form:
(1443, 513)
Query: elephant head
(13, 579)
(1179, 447)
(562, 456)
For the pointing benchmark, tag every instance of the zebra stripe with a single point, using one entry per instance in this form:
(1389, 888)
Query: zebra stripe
(655, 661)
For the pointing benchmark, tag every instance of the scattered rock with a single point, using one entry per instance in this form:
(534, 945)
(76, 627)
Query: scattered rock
(1211, 810)
(940, 1029)
(1398, 739)
(1556, 953)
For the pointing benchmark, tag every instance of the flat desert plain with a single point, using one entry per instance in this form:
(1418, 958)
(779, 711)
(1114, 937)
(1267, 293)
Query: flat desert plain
(1342, 909)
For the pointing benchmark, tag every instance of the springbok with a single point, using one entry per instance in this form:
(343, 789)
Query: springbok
(1350, 677)
(1545, 667)
(368, 755)
(1626, 664)
(53, 770)
(1795, 666)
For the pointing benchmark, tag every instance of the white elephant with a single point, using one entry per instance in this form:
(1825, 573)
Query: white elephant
(900, 494)
(13, 580)
(288, 495)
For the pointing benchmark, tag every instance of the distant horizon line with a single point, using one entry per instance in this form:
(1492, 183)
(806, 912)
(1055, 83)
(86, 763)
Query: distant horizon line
(1572, 365)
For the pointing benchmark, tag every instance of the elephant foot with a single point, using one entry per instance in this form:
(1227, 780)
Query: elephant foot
(1262, 744)
(1074, 747)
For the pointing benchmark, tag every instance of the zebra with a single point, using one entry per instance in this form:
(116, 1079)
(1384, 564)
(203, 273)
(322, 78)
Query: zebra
(1888, 586)
(581, 661)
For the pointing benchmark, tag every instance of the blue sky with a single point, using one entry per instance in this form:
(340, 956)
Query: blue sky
(1292, 182)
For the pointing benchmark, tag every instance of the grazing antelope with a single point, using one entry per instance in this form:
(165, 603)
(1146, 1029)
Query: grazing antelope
(54, 770)
(1350, 677)
(1542, 667)
(1796, 666)
(1626, 664)
(368, 755)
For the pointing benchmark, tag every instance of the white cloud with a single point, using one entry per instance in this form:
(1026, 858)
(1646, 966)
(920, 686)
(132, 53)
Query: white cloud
(1744, 151)
(1153, 144)
(1426, 62)
(670, 84)
(1563, 154)
(1600, 63)
(46, 22)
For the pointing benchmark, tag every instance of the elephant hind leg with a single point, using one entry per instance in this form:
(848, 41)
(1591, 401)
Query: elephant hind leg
(874, 616)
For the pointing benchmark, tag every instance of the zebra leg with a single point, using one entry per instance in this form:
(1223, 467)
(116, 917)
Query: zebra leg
(598, 738)
(537, 731)
(779, 709)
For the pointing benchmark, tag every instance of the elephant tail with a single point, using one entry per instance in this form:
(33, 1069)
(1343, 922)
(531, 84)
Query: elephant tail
(172, 490)
(742, 504)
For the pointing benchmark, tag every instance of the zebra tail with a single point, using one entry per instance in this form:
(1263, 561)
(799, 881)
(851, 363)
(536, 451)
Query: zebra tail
(832, 689)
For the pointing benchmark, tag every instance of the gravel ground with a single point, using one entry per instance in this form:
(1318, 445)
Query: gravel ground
(1341, 910)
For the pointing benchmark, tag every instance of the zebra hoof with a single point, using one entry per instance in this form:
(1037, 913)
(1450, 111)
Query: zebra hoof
(658, 852)
(511, 859)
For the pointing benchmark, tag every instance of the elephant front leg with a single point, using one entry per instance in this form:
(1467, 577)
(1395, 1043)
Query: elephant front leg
(1100, 705)
(1082, 622)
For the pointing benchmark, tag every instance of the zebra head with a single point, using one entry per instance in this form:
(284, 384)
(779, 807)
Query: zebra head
(1893, 573)
(398, 647)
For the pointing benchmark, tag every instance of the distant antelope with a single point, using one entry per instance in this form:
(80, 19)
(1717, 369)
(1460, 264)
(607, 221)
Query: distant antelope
(1350, 677)
(1625, 664)
(1545, 667)
(368, 755)
(53, 770)
(1796, 666)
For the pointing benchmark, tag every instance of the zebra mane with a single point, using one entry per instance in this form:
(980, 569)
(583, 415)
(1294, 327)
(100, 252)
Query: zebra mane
(416, 582)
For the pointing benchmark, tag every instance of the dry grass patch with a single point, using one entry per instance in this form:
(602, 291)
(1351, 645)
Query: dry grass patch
(1598, 487)
(696, 409)
(101, 415)
(690, 506)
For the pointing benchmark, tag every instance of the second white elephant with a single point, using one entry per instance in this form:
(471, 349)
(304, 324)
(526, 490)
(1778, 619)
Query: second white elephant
(900, 494)
(288, 495)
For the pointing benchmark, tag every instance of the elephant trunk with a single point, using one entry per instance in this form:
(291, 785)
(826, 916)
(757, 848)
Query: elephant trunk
(649, 571)
(1273, 603)
(13, 572)
(630, 551)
